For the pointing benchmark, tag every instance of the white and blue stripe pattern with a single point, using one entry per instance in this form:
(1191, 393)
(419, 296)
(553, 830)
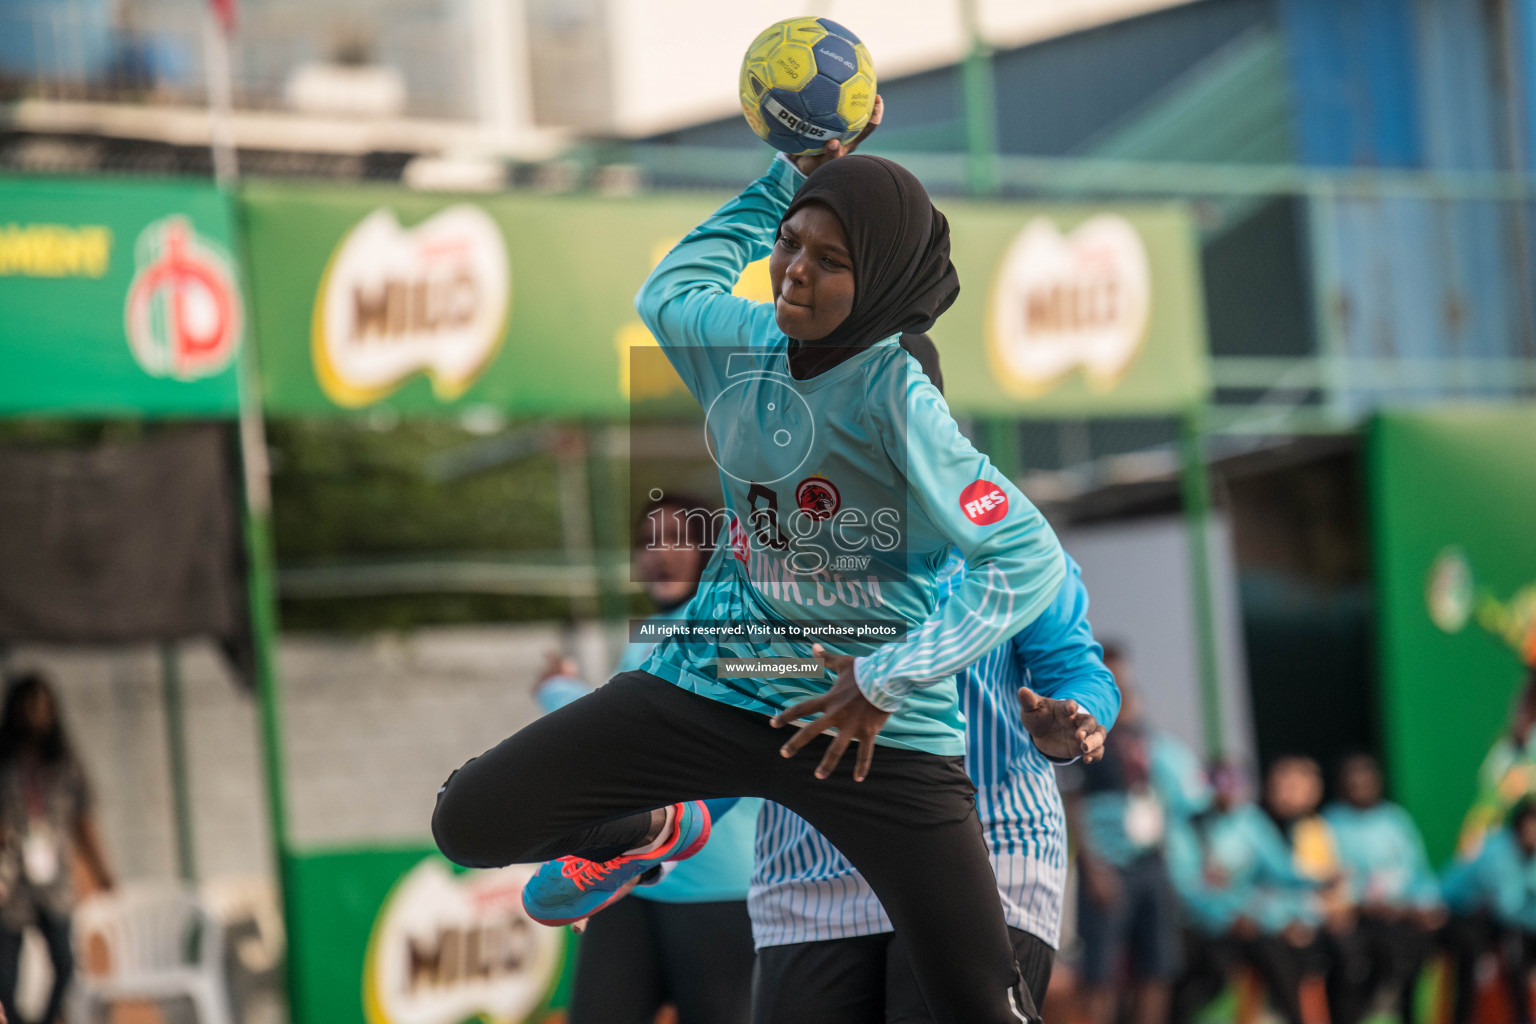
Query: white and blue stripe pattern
(803, 890)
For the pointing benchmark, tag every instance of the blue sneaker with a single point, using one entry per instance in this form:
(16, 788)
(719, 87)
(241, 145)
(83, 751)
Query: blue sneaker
(571, 888)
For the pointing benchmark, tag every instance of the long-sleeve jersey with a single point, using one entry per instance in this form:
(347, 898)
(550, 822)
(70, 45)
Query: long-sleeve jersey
(803, 890)
(1382, 854)
(1500, 880)
(861, 460)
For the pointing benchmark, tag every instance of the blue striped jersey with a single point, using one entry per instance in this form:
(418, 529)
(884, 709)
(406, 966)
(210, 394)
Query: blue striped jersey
(803, 890)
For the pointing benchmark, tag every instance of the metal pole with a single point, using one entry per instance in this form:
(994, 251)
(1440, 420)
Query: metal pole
(221, 132)
(979, 97)
(1197, 504)
(176, 740)
(1327, 325)
(609, 510)
(261, 595)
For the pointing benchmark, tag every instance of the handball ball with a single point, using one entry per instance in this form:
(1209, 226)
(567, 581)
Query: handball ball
(805, 82)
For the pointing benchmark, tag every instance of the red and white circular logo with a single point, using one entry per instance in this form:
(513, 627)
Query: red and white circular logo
(983, 502)
(182, 315)
(817, 496)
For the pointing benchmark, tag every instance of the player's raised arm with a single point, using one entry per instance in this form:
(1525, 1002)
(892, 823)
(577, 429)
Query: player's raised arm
(687, 302)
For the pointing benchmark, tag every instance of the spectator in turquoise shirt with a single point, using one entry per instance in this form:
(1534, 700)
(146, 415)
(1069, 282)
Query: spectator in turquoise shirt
(1493, 898)
(1390, 881)
(1242, 898)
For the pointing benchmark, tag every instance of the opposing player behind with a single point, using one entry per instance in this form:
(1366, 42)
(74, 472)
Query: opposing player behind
(826, 950)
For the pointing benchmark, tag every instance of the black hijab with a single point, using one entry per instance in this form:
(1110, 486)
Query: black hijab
(899, 244)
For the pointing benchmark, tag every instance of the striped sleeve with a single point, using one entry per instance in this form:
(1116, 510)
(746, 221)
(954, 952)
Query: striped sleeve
(1014, 564)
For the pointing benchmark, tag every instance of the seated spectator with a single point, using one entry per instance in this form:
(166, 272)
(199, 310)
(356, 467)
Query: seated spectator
(1391, 883)
(1244, 900)
(1492, 899)
(1293, 793)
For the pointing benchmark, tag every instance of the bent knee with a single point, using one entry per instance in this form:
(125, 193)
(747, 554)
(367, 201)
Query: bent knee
(459, 827)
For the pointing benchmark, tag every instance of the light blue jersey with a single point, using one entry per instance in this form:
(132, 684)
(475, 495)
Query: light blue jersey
(864, 459)
(1500, 880)
(723, 869)
(1232, 864)
(1382, 853)
(803, 890)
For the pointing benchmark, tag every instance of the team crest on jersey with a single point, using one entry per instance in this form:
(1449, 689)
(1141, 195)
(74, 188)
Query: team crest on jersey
(983, 502)
(817, 496)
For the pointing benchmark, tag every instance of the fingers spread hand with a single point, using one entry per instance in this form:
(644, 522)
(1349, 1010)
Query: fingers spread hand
(833, 755)
(804, 709)
(866, 758)
(805, 734)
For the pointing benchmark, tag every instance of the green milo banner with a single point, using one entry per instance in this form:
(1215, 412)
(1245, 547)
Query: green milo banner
(523, 302)
(400, 936)
(117, 299)
(1452, 495)
(1074, 311)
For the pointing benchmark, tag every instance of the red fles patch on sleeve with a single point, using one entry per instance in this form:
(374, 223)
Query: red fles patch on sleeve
(984, 502)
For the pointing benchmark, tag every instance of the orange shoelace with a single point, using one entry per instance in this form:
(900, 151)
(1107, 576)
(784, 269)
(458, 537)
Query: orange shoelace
(586, 873)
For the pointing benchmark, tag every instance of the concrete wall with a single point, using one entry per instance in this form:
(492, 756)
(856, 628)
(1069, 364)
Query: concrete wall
(1137, 574)
(373, 726)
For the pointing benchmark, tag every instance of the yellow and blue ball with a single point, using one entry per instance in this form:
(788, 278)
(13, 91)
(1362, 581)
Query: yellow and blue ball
(805, 82)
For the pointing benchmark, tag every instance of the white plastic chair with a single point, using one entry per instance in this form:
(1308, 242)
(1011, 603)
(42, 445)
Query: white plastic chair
(160, 942)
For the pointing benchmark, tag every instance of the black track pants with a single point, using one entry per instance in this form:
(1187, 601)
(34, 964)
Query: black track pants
(640, 743)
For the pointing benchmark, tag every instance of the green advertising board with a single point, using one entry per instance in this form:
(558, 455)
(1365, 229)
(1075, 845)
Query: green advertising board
(1074, 312)
(381, 297)
(117, 299)
(1452, 493)
(397, 935)
(524, 302)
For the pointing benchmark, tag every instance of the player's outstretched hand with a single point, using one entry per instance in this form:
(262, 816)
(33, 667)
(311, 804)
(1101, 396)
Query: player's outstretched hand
(1060, 728)
(842, 708)
(835, 148)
